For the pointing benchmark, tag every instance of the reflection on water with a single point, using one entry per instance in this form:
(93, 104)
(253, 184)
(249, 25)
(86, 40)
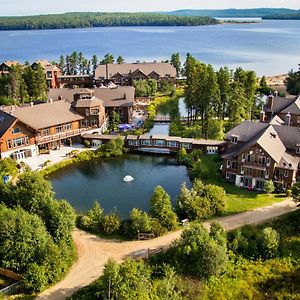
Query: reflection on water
(81, 184)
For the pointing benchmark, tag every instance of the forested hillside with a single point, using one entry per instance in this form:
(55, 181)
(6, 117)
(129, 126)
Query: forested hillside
(233, 13)
(80, 20)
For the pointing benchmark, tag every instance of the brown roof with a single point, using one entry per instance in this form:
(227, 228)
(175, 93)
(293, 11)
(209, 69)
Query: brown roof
(10, 63)
(46, 114)
(6, 121)
(50, 68)
(163, 69)
(43, 63)
(289, 161)
(87, 102)
(111, 97)
(276, 121)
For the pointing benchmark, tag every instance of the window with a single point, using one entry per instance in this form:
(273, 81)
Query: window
(133, 143)
(268, 161)
(243, 157)
(9, 145)
(286, 173)
(49, 74)
(298, 149)
(16, 130)
(146, 142)
(94, 122)
(298, 120)
(242, 170)
(95, 111)
(46, 132)
(21, 141)
(234, 139)
(67, 127)
(59, 129)
(228, 164)
(233, 165)
(186, 145)
(172, 144)
(211, 150)
(261, 160)
(84, 123)
(159, 143)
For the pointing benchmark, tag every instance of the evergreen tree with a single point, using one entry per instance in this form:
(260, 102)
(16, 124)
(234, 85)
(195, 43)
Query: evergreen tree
(175, 62)
(120, 60)
(224, 80)
(94, 62)
(62, 64)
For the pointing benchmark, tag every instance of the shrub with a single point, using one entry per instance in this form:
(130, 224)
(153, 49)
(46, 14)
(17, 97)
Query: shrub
(161, 208)
(270, 243)
(296, 191)
(111, 223)
(35, 278)
(140, 221)
(269, 187)
(8, 166)
(156, 228)
(87, 143)
(84, 222)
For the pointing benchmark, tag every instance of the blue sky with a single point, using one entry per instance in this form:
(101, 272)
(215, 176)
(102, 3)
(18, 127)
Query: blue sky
(26, 7)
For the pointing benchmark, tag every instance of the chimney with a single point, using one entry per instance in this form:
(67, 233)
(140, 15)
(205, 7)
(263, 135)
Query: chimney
(262, 116)
(106, 67)
(50, 100)
(31, 104)
(270, 102)
(276, 93)
(287, 119)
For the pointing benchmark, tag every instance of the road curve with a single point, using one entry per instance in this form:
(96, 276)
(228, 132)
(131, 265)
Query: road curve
(93, 252)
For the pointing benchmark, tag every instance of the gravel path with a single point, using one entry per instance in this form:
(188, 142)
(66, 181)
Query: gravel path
(93, 252)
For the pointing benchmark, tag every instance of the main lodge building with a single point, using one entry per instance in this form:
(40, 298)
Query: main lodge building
(26, 131)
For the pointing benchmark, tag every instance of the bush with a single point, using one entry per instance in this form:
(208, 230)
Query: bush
(269, 187)
(9, 167)
(111, 223)
(199, 170)
(270, 243)
(35, 278)
(296, 191)
(140, 221)
(156, 228)
(161, 208)
(87, 144)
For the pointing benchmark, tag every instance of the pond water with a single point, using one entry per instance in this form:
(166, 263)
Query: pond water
(163, 128)
(81, 184)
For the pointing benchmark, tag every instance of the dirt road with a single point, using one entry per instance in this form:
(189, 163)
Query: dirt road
(93, 252)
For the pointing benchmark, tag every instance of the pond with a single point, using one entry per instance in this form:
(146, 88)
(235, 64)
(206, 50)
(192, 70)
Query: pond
(81, 184)
(163, 128)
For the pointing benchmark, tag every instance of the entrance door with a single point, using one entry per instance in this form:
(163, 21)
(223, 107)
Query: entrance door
(20, 155)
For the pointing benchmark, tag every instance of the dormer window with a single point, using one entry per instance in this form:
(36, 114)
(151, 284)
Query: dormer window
(16, 130)
(234, 139)
(298, 149)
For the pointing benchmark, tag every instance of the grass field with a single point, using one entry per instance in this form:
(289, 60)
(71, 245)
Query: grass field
(239, 199)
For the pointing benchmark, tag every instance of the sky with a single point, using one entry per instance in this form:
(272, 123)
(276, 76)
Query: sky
(31, 7)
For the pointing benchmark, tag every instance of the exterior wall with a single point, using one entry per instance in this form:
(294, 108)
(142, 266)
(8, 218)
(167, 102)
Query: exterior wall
(295, 119)
(125, 113)
(261, 167)
(71, 82)
(52, 80)
(8, 138)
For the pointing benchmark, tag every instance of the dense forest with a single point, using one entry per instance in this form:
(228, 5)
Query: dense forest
(232, 13)
(80, 20)
(284, 16)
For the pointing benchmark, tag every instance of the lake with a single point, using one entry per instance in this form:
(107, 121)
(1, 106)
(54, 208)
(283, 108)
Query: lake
(81, 184)
(270, 47)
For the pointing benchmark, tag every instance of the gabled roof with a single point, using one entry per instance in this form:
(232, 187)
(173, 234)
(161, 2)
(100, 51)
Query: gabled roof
(6, 121)
(160, 68)
(276, 121)
(289, 162)
(43, 63)
(122, 96)
(138, 71)
(247, 130)
(92, 102)
(294, 108)
(45, 115)
(289, 135)
(272, 144)
(279, 104)
(10, 63)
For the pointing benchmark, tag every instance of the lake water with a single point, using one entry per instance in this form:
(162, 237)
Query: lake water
(81, 184)
(270, 47)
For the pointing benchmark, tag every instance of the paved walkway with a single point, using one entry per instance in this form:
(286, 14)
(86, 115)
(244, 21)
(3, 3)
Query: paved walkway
(93, 252)
(55, 156)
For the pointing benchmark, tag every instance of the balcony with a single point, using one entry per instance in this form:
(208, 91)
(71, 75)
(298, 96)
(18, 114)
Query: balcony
(60, 136)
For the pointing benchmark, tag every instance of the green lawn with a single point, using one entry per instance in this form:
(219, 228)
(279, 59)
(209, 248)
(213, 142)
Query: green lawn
(239, 199)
